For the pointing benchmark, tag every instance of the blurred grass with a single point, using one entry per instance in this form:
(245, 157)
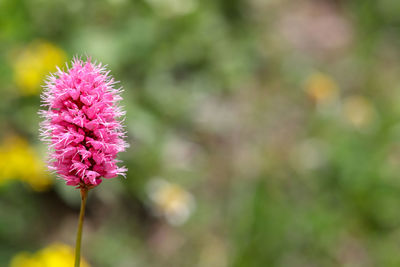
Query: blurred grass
(263, 133)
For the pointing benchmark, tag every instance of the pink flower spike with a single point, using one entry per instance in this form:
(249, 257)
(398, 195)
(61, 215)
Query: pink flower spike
(82, 124)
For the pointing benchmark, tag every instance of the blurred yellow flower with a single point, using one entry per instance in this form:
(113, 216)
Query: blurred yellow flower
(171, 201)
(55, 255)
(358, 111)
(321, 88)
(19, 161)
(33, 63)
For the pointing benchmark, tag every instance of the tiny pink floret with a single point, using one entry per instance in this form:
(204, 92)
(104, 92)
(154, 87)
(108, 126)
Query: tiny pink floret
(81, 124)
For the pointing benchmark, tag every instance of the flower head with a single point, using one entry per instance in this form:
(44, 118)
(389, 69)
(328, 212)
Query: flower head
(56, 254)
(81, 124)
(32, 64)
(15, 152)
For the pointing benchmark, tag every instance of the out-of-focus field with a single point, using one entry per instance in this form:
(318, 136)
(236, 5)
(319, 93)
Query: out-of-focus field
(262, 133)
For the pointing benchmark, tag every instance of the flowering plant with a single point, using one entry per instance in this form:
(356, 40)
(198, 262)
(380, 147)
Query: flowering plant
(82, 129)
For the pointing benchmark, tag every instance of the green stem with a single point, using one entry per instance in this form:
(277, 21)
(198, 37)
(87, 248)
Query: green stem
(84, 193)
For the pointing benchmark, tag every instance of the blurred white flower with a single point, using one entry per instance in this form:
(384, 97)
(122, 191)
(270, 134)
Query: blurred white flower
(170, 201)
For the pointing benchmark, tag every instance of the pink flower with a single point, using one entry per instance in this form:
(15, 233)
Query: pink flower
(81, 124)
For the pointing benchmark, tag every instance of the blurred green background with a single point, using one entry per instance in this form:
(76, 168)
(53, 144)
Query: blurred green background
(262, 133)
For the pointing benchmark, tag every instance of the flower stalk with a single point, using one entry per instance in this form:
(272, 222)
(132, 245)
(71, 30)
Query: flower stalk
(84, 193)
